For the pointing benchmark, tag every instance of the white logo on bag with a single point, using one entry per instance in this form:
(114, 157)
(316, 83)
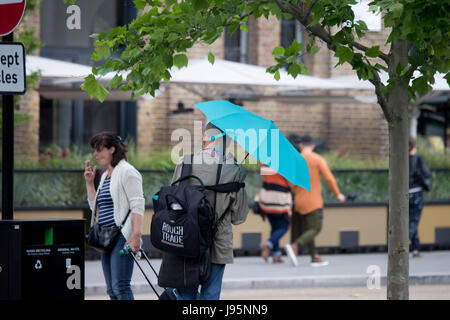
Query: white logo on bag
(172, 236)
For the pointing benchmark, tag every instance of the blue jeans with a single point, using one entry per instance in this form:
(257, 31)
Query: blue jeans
(279, 226)
(210, 290)
(415, 211)
(118, 270)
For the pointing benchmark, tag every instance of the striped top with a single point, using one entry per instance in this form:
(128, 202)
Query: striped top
(275, 195)
(105, 205)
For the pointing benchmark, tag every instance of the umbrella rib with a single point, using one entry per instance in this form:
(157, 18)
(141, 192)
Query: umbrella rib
(244, 158)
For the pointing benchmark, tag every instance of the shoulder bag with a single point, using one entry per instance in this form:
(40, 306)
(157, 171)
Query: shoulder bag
(103, 238)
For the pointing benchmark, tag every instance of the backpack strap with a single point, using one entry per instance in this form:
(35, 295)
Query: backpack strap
(226, 187)
(219, 171)
(186, 169)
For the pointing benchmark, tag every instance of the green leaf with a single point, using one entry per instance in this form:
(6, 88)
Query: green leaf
(115, 82)
(233, 27)
(312, 49)
(373, 52)
(396, 9)
(447, 77)
(278, 51)
(277, 75)
(140, 4)
(421, 86)
(362, 25)
(344, 54)
(388, 88)
(294, 48)
(102, 51)
(170, 3)
(180, 60)
(93, 88)
(294, 70)
(211, 57)
(200, 4)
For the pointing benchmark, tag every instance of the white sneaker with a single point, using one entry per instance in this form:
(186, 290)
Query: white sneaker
(318, 262)
(290, 253)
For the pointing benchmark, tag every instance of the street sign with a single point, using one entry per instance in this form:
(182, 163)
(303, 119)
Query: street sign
(11, 12)
(12, 68)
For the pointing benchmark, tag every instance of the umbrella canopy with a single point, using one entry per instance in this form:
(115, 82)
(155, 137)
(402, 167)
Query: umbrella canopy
(260, 138)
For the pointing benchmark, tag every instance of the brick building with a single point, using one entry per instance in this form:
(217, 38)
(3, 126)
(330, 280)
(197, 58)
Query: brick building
(356, 128)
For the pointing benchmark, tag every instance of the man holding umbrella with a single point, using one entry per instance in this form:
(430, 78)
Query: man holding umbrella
(310, 204)
(260, 138)
(231, 208)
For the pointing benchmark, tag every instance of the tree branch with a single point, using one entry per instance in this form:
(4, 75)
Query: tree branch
(318, 31)
(376, 81)
(310, 8)
(361, 47)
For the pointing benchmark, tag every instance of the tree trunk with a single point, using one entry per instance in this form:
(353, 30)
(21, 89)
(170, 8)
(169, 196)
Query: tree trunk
(398, 229)
(398, 239)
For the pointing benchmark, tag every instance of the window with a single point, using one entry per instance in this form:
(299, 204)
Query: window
(236, 46)
(291, 30)
(76, 45)
(68, 121)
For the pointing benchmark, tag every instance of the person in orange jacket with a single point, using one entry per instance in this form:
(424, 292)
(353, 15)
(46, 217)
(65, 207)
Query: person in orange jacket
(310, 204)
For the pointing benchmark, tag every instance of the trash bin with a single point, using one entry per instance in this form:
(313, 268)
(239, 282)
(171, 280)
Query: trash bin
(42, 259)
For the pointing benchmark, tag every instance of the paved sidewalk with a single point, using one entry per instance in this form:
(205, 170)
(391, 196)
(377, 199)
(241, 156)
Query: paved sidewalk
(253, 273)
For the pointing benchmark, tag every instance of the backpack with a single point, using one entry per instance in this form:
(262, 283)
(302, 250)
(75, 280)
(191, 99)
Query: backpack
(183, 228)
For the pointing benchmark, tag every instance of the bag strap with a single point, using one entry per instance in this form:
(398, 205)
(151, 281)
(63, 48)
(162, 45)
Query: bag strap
(226, 187)
(125, 220)
(95, 215)
(186, 169)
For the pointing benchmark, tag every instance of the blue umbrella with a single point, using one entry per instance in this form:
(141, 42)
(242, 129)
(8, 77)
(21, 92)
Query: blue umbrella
(260, 138)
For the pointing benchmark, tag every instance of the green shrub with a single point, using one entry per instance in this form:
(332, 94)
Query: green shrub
(68, 189)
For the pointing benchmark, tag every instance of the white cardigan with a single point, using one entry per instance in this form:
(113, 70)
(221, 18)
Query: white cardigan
(126, 193)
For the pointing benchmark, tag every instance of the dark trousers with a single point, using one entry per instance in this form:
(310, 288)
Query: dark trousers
(312, 223)
(415, 211)
(279, 224)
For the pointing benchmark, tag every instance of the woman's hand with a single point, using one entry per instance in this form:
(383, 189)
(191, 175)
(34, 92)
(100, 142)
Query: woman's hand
(135, 241)
(89, 173)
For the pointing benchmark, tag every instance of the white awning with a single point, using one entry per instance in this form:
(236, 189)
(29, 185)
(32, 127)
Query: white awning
(351, 82)
(198, 71)
(57, 71)
(201, 71)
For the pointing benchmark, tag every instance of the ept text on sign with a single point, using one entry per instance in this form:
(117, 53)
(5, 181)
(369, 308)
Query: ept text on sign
(12, 68)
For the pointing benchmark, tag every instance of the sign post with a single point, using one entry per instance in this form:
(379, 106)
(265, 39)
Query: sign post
(12, 82)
